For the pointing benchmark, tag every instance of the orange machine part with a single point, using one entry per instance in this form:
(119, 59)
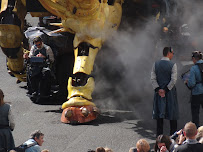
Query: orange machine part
(77, 115)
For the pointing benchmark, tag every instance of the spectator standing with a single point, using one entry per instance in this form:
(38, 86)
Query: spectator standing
(190, 144)
(163, 78)
(195, 82)
(6, 125)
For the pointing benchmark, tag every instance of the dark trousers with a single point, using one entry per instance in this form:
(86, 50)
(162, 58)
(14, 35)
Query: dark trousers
(197, 100)
(160, 124)
(41, 83)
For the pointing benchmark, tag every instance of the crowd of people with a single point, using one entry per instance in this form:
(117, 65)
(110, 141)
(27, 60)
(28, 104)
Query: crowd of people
(188, 139)
(165, 106)
(163, 78)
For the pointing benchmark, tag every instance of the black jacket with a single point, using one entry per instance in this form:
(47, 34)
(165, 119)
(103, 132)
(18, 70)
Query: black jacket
(190, 148)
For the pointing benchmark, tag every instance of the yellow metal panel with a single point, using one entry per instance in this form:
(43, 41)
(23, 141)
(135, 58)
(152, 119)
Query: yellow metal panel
(85, 64)
(77, 102)
(4, 4)
(10, 36)
(84, 91)
(39, 14)
(17, 65)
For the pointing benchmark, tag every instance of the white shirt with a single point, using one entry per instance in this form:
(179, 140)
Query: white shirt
(173, 76)
(48, 51)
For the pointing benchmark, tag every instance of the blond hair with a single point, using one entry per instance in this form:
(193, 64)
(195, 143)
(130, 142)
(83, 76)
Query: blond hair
(190, 129)
(142, 145)
(108, 149)
(199, 133)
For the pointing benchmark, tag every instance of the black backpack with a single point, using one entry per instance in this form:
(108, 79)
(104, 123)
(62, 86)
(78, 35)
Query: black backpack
(23, 147)
(200, 65)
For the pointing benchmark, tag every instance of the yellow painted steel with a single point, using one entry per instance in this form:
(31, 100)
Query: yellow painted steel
(10, 36)
(23, 2)
(84, 91)
(86, 17)
(4, 4)
(75, 94)
(92, 22)
(17, 65)
(77, 101)
(39, 14)
(84, 64)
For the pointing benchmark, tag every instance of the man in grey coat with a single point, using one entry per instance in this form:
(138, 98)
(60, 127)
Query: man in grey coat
(163, 78)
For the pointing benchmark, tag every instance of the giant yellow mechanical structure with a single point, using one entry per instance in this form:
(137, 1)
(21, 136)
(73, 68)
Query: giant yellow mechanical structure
(92, 22)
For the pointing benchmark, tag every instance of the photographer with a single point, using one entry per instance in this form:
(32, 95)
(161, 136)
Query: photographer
(164, 144)
(39, 74)
(190, 132)
(195, 83)
(39, 49)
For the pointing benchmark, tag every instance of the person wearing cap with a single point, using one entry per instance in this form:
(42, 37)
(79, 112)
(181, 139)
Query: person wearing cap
(195, 83)
(163, 78)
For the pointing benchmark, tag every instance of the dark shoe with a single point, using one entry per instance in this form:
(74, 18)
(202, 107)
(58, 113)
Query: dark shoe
(29, 92)
(18, 81)
(35, 94)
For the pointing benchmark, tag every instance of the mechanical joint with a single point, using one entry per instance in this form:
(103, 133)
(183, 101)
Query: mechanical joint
(85, 55)
(81, 91)
(10, 36)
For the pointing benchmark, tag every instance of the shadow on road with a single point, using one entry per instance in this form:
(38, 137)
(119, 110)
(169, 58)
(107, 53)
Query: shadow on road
(55, 111)
(145, 129)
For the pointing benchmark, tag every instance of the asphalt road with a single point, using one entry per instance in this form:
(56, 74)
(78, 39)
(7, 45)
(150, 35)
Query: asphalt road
(116, 128)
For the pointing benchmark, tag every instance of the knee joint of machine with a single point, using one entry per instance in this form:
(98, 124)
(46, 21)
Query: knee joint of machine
(81, 85)
(11, 35)
(85, 54)
(79, 79)
(83, 48)
(11, 52)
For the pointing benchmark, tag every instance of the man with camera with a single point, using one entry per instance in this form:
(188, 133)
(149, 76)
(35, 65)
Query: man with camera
(195, 83)
(190, 144)
(39, 74)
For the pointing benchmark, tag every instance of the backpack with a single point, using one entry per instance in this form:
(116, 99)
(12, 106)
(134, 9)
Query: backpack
(200, 65)
(23, 147)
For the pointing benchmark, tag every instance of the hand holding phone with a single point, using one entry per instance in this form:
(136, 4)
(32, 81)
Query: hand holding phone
(163, 149)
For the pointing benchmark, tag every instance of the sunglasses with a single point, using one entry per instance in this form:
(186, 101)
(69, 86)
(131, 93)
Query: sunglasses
(38, 44)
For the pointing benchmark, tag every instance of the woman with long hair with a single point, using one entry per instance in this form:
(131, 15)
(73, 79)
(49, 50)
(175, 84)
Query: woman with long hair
(164, 144)
(6, 125)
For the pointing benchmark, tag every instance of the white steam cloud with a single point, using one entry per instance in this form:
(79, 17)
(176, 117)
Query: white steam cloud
(123, 66)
